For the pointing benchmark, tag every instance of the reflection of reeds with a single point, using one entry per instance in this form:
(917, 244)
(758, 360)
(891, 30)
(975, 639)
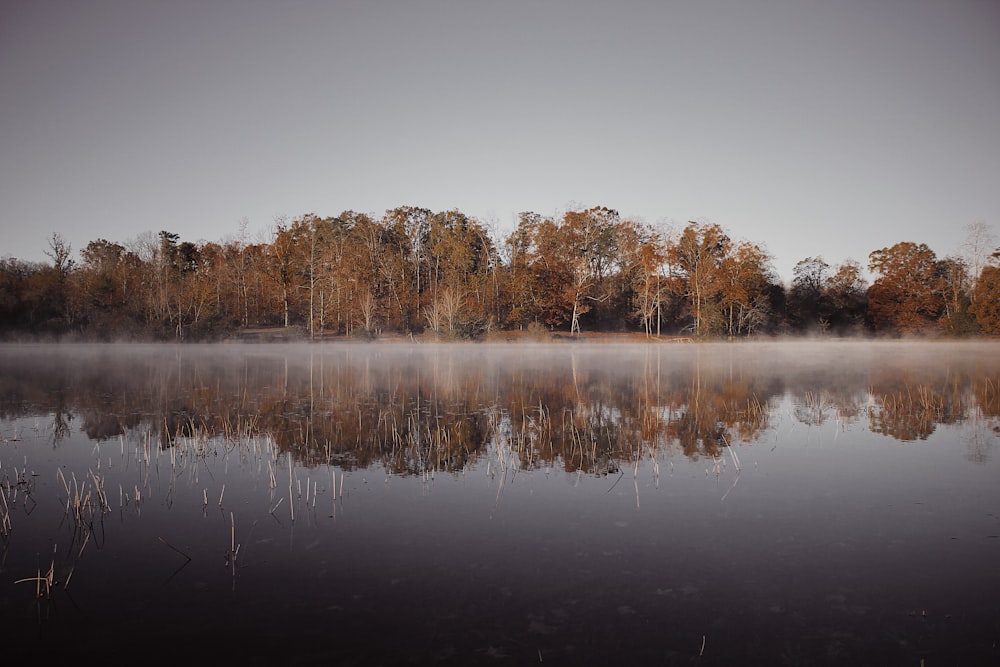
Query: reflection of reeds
(987, 394)
(86, 500)
(911, 402)
(913, 411)
(991, 388)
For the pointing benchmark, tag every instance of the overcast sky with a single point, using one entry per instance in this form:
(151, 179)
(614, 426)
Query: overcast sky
(828, 128)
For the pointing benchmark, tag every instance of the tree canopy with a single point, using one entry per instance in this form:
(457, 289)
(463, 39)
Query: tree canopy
(444, 274)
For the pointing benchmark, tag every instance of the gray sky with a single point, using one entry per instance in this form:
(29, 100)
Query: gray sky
(811, 127)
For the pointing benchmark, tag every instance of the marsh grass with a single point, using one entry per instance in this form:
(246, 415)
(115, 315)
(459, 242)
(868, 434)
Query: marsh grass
(12, 491)
(86, 502)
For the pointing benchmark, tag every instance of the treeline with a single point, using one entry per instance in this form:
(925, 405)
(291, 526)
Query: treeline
(446, 275)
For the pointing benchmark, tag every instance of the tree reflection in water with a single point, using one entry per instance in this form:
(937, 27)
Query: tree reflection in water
(421, 408)
(822, 555)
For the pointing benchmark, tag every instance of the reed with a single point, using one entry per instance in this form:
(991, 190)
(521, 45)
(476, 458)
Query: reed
(59, 474)
(6, 525)
(291, 500)
(270, 472)
(234, 548)
(46, 581)
(102, 498)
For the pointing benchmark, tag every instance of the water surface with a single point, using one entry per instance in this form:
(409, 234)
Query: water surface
(782, 503)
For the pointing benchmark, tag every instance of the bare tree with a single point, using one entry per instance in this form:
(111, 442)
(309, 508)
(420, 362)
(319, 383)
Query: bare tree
(979, 244)
(59, 250)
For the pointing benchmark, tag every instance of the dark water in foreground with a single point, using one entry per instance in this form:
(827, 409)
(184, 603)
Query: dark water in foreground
(792, 503)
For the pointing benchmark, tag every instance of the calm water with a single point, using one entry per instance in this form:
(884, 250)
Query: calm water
(759, 503)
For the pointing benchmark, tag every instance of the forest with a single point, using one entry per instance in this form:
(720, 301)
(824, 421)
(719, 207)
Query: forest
(445, 276)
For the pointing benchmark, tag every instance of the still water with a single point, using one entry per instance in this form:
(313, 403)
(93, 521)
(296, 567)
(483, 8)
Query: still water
(358, 504)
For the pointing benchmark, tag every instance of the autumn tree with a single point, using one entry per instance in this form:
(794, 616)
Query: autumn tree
(632, 285)
(186, 287)
(955, 283)
(637, 284)
(279, 265)
(907, 295)
(107, 284)
(746, 275)
(407, 228)
(238, 274)
(986, 300)
(539, 272)
(15, 303)
(556, 282)
(56, 287)
(459, 255)
(846, 293)
(697, 256)
(649, 281)
(371, 281)
(347, 268)
(561, 268)
(166, 274)
(588, 240)
(307, 266)
(807, 305)
(210, 292)
(521, 289)
(413, 269)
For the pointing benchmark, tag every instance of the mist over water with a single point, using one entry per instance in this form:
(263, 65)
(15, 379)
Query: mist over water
(811, 502)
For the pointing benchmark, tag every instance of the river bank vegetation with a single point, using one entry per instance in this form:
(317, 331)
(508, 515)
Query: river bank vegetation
(446, 276)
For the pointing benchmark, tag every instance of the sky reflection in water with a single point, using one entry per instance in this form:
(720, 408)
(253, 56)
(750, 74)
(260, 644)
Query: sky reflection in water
(360, 504)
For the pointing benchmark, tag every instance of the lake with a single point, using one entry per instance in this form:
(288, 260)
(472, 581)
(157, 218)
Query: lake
(794, 503)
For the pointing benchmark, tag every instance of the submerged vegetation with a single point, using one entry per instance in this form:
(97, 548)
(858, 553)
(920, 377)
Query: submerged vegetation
(447, 276)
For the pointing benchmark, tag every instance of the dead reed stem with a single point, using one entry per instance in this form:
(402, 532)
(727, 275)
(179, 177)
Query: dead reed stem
(291, 499)
(7, 526)
(234, 548)
(48, 579)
